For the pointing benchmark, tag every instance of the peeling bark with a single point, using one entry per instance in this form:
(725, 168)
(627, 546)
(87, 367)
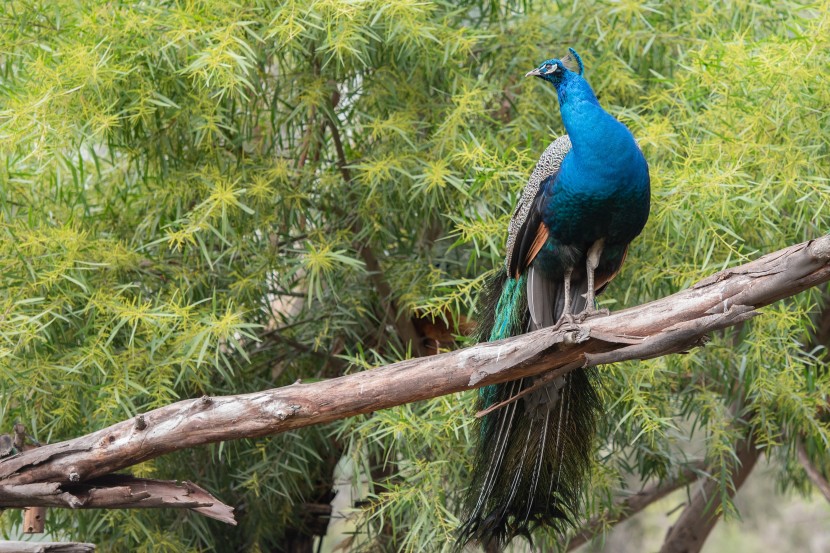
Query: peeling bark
(669, 325)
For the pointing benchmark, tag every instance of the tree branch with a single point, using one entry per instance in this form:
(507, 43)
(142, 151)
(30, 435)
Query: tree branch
(672, 324)
(117, 491)
(698, 519)
(45, 547)
(813, 473)
(635, 503)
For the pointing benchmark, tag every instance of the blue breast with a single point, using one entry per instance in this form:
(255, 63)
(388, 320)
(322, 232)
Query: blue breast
(602, 188)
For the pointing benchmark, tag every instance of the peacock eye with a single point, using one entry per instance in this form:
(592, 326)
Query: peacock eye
(548, 67)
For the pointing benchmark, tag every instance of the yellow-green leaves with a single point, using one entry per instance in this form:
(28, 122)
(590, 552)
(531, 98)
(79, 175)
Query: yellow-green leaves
(191, 192)
(320, 263)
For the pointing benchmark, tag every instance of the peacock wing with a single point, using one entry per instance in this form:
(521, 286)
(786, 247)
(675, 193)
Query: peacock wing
(524, 235)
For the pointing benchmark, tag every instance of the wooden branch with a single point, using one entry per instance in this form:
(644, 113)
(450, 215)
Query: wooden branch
(698, 519)
(818, 480)
(117, 491)
(45, 547)
(635, 503)
(676, 323)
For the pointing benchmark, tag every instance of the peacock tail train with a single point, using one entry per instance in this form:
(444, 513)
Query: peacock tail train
(586, 200)
(534, 454)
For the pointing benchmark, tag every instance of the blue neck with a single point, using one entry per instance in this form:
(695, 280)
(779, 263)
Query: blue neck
(601, 144)
(603, 185)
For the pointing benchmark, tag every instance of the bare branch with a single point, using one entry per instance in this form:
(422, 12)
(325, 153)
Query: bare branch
(676, 323)
(635, 503)
(698, 519)
(117, 491)
(45, 547)
(816, 477)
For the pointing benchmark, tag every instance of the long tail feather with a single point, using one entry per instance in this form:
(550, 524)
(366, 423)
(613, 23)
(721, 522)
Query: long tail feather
(534, 453)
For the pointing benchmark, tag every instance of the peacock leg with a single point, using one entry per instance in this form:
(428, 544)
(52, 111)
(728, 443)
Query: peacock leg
(567, 317)
(591, 264)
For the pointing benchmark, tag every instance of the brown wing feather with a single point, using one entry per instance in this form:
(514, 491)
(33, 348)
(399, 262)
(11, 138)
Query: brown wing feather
(538, 242)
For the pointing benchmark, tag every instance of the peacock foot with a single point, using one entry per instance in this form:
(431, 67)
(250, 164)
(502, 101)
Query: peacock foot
(566, 322)
(590, 313)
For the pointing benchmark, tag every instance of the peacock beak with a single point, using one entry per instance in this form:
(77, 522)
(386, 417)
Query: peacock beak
(533, 73)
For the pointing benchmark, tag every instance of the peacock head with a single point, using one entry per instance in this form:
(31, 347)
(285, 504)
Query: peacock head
(555, 71)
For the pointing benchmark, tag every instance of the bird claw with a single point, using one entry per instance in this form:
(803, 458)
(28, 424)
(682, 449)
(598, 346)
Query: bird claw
(590, 313)
(566, 322)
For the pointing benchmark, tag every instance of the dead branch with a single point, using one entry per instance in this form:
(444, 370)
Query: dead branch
(635, 503)
(45, 547)
(669, 325)
(117, 491)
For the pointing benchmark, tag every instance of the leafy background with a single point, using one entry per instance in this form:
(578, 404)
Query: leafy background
(193, 194)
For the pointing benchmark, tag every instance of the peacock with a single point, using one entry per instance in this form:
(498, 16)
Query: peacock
(586, 200)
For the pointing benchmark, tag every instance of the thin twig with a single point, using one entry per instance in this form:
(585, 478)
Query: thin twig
(307, 138)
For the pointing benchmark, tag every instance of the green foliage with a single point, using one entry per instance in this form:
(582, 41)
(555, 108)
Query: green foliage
(187, 189)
